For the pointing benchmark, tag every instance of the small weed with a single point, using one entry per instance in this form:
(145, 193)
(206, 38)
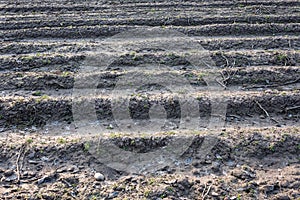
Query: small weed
(61, 141)
(37, 93)
(170, 133)
(132, 142)
(64, 74)
(115, 135)
(283, 93)
(170, 189)
(239, 197)
(282, 58)
(42, 98)
(75, 140)
(28, 58)
(272, 148)
(20, 75)
(171, 55)
(267, 17)
(133, 55)
(86, 146)
(47, 61)
(201, 75)
(29, 141)
(151, 181)
(147, 193)
(94, 197)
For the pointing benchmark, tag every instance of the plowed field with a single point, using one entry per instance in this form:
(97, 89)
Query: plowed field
(254, 47)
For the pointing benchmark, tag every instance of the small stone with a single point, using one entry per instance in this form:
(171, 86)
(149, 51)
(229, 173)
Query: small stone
(8, 173)
(40, 181)
(214, 194)
(283, 197)
(113, 195)
(61, 170)
(216, 166)
(33, 162)
(110, 126)
(267, 188)
(196, 164)
(31, 155)
(47, 179)
(196, 172)
(44, 158)
(208, 161)
(262, 117)
(99, 177)
(11, 178)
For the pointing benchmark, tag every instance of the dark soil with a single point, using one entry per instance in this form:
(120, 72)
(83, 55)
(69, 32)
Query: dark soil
(254, 47)
(247, 164)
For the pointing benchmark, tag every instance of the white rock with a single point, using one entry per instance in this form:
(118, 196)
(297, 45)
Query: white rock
(214, 194)
(99, 177)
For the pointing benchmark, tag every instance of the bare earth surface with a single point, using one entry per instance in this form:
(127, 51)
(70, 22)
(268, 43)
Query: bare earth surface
(254, 47)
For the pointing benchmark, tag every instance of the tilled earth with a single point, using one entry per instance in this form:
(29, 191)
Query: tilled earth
(254, 47)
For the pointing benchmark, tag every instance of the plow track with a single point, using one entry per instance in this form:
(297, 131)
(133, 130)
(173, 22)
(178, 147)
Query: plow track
(255, 46)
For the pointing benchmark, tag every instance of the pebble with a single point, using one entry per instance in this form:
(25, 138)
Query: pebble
(113, 195)
(214, 194)
(40, 181)
(31, 155)
(110, 126)
(8, 173)
(99, 177)
(44, 158)
(283, 197)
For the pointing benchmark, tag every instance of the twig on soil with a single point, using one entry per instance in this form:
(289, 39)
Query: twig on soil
(260, 106)
(228, 74)
(274, 120)
(235, 116)
(207, 192)
(222, 84)
(268, 116)
(17, 162)
(227, 62)
(292, 108)
(66, 182)
(274, 85)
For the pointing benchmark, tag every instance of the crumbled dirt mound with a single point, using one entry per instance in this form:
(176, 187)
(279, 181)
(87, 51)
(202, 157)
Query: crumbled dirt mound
(244, 164)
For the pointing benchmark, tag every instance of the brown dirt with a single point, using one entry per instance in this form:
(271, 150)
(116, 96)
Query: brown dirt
(245, 164)
(255, 46)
